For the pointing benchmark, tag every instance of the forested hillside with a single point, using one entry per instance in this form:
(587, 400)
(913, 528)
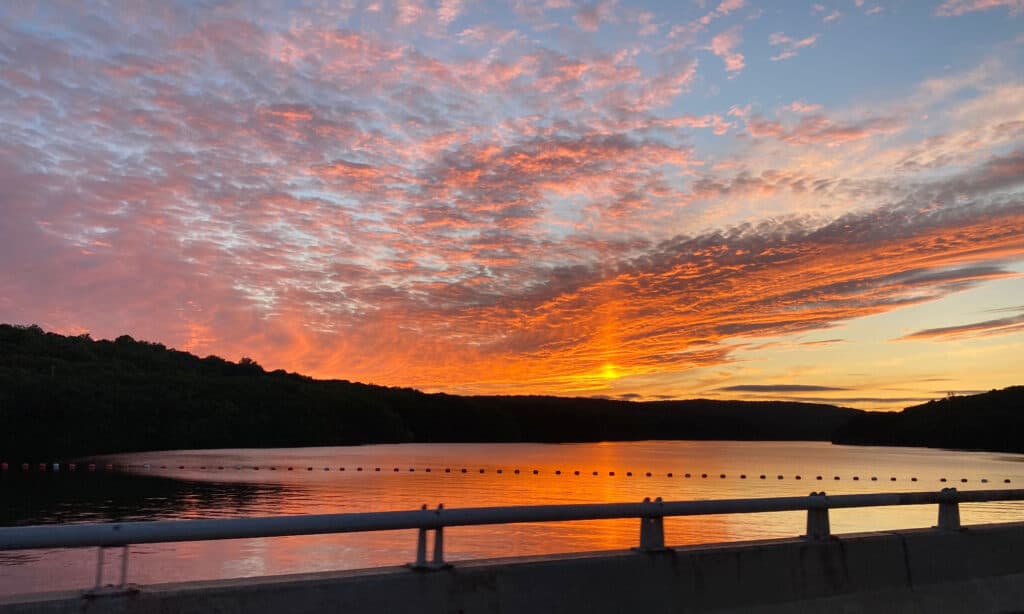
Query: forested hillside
(71, 396)
(989, 421)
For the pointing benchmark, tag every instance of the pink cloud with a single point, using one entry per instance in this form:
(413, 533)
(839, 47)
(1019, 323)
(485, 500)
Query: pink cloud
(739, 111)
(448, 11)
(589, 16)
(724, 8)
(818, 129)
(761, 127)
(952, 8)
(789, 46)
(408, 12)
(724, 46)
(799, 106)
(728, 6)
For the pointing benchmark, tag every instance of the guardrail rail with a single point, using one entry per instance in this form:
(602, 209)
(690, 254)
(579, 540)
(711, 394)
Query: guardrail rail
(651, 515)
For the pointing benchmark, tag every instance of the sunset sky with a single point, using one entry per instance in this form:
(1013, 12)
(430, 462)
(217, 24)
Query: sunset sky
(640, 200)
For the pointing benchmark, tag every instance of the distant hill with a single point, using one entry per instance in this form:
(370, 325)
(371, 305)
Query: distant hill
(64, 397)
(989, 421)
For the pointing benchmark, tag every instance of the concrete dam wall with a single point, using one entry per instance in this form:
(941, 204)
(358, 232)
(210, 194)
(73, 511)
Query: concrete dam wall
(974, 569)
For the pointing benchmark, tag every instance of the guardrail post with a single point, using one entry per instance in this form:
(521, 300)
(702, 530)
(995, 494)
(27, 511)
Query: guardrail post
(949, 510)
(817, 517)
(421, 546)
(652, 528)
(99, 567)
(124, 566)
(437, 561)
(122, 587)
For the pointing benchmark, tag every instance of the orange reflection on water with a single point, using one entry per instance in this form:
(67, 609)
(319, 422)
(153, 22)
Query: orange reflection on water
(565, 474)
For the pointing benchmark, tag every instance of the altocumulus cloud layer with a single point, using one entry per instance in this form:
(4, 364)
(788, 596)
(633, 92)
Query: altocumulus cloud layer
(559, 197)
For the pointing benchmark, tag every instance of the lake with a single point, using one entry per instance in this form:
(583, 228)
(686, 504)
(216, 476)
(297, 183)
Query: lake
(235, 483)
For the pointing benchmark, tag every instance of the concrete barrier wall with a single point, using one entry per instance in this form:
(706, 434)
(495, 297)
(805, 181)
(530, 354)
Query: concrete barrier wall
(977, 569)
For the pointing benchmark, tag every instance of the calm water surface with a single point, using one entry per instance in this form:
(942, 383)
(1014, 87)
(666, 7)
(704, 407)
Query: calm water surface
(236, 483)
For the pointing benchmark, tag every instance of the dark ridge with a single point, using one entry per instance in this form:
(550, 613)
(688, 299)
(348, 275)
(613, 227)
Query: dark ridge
(991, 421)
(66, 397)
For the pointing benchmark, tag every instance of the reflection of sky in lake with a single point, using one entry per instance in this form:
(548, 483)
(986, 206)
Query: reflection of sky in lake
(273, 489)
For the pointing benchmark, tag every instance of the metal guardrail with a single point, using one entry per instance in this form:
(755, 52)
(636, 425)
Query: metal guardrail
(650, 513)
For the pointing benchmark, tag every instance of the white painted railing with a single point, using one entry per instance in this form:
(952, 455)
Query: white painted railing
(650, 513)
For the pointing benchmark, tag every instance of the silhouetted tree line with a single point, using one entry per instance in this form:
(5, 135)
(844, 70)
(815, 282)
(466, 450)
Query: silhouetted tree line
(992, 420)
(64, 397)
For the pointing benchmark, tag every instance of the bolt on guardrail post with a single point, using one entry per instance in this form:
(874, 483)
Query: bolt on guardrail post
(949, 510)
(817, 517)
(652, 528)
